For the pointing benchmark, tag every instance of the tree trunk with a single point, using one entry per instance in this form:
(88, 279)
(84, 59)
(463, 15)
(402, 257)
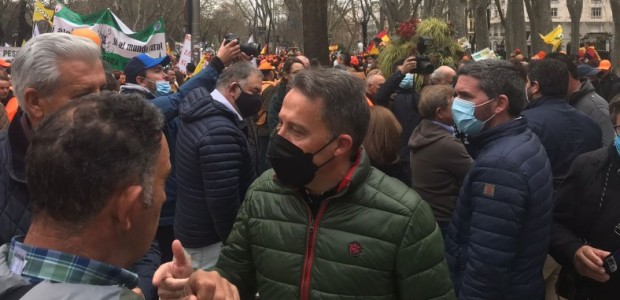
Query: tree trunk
(314, 20)
(438, 9)
(427, 11)
(539, 12)
(515, 27)
(481, 25)
(574, 10)
(24, 31)
(458, 17)
(366, 16)
(396, 11)
(500, 11)
(615, 52)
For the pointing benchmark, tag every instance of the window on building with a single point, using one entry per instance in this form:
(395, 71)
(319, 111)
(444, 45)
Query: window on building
(597, 1)
(596, 13)
(554, 12)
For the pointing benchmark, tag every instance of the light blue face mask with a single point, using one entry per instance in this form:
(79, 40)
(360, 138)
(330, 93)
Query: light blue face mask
(163, 87)
(617, 143)
(407, 82)
(464, 118)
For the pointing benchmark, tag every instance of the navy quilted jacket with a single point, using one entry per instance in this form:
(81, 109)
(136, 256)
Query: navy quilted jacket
(497, 241)
(214, 170)
(14, 203)
(564, 132)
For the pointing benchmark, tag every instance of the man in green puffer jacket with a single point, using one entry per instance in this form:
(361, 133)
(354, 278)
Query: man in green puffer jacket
(325, 224)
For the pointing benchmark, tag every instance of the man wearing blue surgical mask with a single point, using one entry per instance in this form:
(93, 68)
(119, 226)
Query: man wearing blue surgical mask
(401, 84)
(499, 234)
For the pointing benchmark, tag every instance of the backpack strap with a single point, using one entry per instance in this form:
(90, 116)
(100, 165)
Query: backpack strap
(18, 293)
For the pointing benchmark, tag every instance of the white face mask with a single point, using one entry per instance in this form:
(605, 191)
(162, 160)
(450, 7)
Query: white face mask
(527, 98)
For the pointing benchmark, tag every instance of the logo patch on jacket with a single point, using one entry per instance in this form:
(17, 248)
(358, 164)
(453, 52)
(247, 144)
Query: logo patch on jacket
(355, 249)
(489, 190)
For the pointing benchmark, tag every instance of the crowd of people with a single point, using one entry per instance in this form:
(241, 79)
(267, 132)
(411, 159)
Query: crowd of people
(284, 179)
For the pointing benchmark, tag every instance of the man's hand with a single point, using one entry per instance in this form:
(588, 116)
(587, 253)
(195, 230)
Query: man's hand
(409, 64)
(138, 291)
(588, 262)
(171, 277)
(204, 285)
(229, 52)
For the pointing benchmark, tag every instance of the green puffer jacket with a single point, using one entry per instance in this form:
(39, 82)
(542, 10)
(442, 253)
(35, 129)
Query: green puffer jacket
(375, 239)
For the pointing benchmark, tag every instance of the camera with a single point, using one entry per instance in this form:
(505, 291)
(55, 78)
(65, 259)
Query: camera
(423, 63)
(250, 49)
(610, 263)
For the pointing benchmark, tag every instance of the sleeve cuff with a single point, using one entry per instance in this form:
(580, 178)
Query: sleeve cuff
(217, 63)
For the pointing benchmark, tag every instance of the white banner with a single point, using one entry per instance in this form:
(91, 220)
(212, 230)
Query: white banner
(119, 44)
(483, 54)
(8, 53)
(186, 53)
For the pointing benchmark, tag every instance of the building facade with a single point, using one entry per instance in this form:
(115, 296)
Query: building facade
(596, 24)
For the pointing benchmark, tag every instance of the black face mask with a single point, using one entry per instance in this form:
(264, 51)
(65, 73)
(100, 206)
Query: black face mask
(248, 104)
(292, 165)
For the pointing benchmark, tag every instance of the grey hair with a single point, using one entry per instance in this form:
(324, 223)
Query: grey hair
(499, 77)
(237, 72)
(345, 110)
(37, 64)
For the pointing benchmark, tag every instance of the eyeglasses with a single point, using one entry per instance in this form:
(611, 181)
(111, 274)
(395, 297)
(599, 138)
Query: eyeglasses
(617, 129)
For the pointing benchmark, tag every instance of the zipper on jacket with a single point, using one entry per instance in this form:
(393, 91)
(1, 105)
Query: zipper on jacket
(309, 257)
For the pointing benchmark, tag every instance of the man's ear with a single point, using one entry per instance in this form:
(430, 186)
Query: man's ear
(232, 88)
(535, 87)
(502, 104)
(344, 143)
(128, 205)
(33, 101)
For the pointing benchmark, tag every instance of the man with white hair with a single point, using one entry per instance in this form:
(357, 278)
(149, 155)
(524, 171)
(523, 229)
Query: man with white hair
(443, 75)
(48, 72)
(373, 83)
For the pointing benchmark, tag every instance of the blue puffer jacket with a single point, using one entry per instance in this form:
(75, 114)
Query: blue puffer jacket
(497, 241)
(564, 132)
(214, 170)
(168, 105)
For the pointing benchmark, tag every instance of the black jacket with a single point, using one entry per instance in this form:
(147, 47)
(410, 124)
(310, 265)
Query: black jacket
(578, 218)
(564, 131)
(404, 108)
(14, 202)
(214, 169)
(608, 87)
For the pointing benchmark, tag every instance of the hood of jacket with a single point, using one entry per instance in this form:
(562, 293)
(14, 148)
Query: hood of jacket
(199, 104)
(132, 88)
(426, 134)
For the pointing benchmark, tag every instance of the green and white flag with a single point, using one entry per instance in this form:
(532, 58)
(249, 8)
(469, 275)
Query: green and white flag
(118, 42)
